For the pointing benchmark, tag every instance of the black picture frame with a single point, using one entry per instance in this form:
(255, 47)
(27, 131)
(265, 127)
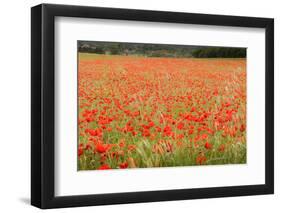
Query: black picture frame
(43, 105)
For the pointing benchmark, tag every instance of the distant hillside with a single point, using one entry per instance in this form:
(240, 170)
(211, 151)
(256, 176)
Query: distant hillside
(158, 50)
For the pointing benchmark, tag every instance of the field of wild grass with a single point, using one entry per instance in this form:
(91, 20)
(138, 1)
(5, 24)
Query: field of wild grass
(138, 112)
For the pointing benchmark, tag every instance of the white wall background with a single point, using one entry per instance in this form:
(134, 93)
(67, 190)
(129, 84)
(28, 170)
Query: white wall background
(15, 105)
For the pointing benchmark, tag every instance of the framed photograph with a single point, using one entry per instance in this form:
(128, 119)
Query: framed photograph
(136, 106)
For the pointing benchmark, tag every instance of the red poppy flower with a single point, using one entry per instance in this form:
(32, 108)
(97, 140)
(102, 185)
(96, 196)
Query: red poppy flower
(180, 136)
(101, 148)
(190, 132)
(201, 159)
(80, 151)
(242, 128)
(123, 165)
(104, 167)
(146, 133)
(151, 124)
(208, 145)
(204, 136)
(180, 125)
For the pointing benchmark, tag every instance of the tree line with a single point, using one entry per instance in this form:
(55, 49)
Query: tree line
(219, 52)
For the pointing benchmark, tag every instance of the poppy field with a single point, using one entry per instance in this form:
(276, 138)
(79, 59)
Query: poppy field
(143, 112)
